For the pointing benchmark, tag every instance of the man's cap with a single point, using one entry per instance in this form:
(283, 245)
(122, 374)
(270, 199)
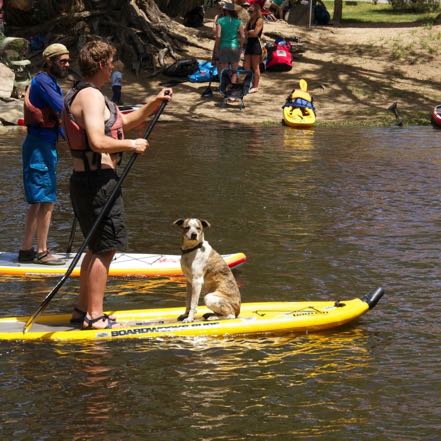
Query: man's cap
(229, 7)
(54, 50)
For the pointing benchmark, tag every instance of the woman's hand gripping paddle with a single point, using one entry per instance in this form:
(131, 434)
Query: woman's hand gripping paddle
(98, 220)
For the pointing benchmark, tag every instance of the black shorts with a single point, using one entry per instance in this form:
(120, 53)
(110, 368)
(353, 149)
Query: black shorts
(89, 192)
(253, 47)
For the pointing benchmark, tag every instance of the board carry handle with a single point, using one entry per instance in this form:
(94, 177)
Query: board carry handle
(98, 220)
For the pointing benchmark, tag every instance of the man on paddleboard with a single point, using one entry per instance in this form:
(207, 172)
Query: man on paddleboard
(42, 109)
(95, 132)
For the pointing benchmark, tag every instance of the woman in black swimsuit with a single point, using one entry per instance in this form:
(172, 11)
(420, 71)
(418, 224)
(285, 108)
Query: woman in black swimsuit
(253, 50)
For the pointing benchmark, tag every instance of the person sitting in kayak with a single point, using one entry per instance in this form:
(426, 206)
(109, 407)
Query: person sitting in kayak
(95, 132)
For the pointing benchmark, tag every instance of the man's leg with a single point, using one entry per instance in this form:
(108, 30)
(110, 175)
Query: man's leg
(44, 217)
(30, 226)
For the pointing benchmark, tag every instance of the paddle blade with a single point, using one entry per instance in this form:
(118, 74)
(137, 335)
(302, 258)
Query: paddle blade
(303, 85)
(46, 300)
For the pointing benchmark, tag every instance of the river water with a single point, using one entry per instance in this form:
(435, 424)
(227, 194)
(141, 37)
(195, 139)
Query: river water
(323, 214)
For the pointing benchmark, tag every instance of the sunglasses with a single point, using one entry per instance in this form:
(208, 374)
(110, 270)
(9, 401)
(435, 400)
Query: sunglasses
(251, 10)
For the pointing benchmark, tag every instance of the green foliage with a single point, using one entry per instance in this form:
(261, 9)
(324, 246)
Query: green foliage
(415, 5)
(366, 12)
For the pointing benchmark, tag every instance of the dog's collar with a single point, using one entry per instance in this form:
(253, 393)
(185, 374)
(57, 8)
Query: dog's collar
(189, 250)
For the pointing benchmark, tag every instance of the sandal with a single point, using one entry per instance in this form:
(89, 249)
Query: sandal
(81, 316)
(104, 317)
(47, 258)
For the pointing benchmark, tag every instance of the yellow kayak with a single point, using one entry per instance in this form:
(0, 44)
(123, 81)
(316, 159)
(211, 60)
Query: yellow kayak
(123, 265)
(254, 318)
(299, 111)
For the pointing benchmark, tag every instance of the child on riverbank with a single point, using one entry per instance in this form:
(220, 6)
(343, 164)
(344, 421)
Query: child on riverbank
(117, 82)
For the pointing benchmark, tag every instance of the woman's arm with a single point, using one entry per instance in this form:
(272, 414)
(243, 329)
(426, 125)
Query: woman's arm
(258, 28)
(241, 36)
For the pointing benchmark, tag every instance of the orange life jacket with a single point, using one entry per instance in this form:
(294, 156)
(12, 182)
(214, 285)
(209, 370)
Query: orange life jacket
(36, 117)
(76, 136)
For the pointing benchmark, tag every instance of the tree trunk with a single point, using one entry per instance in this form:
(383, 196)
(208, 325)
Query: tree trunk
(338, 11)
(176, 8)
(143, 35)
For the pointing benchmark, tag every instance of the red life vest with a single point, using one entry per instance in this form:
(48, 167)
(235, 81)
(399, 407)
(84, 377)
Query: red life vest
(36, 117)
(76, 136)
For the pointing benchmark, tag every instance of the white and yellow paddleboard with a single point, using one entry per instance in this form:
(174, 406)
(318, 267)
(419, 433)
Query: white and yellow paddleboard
(123, 265)
(254, 318)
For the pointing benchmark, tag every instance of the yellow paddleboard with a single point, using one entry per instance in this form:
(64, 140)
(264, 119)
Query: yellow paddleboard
(123, 265)
(254, 318)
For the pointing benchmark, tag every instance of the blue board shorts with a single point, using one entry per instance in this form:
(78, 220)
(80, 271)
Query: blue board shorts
(40, 160)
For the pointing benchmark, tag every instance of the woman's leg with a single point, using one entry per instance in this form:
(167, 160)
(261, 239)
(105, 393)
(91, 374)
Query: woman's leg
(247, 62)
(234, 67)
(255, 67)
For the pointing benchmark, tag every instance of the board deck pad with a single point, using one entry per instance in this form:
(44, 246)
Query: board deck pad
(123, 265)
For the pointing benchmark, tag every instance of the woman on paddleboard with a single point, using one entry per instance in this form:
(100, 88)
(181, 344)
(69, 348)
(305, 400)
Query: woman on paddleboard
(95, 132)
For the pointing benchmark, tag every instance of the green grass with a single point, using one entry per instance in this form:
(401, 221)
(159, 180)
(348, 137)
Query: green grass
(366, 12)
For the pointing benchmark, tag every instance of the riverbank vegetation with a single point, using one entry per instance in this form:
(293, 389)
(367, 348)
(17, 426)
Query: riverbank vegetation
(355, 12)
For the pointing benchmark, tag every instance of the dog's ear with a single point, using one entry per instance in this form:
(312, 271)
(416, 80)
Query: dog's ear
(179, 222)
(205, 223)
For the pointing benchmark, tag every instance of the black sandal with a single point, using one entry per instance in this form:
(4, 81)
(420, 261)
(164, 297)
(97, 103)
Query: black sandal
(80, 319)
(104, 317)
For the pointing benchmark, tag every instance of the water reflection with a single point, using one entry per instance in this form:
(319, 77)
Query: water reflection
(320, 214)
(301, 142)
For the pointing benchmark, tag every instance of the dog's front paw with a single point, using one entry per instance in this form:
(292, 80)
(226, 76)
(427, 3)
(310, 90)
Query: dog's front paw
(188, 319)
(182, 317)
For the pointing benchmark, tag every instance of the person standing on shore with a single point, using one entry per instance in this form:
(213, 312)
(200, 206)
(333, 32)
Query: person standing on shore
(117, 80)
(230, 37)
(253, 49)
(42, 109)
(95, 132)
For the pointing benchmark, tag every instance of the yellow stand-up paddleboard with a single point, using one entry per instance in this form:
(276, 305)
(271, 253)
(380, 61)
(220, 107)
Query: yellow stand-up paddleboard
(254, 318)
(299, 111)
(123, 265)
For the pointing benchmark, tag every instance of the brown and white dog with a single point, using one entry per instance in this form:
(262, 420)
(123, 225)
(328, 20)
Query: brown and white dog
(206, 273)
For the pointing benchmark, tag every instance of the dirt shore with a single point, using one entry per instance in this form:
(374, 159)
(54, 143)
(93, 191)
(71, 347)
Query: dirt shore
(354, 74)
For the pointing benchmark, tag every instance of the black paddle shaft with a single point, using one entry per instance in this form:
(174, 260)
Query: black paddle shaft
(98, 220)
(72, 235)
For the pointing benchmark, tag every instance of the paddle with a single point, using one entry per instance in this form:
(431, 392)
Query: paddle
(72, 235)
(98, 220)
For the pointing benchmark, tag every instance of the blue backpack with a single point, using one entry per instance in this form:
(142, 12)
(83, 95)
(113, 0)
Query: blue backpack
(206, 72)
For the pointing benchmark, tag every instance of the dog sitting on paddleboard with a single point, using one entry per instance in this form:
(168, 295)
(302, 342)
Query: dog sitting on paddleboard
(206, 273)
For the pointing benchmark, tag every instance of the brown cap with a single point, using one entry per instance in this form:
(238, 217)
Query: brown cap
(53, 50)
